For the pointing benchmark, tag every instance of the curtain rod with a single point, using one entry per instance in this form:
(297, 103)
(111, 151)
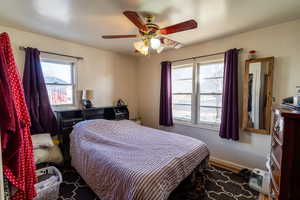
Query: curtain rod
(57, 54)
(203, 56)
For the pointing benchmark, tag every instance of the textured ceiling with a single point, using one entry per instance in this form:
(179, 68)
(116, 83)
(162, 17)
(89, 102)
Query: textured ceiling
(84, 21)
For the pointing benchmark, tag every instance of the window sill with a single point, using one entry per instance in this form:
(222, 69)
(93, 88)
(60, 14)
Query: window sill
(215, 128)
(64, 107)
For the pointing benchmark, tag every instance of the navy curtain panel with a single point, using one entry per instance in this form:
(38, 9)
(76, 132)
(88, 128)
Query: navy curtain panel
(165, 112)
(41, 115)
(229, 128)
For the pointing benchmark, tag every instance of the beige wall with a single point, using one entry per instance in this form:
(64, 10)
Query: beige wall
(281, 41)
(110, 75)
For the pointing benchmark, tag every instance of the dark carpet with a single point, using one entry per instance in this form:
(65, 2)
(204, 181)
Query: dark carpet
(220, 184)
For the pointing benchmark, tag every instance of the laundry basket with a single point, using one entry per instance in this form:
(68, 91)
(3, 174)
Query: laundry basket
(49, 180)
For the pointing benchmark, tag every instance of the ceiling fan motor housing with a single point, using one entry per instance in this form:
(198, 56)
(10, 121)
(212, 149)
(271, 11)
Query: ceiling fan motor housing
(152, 28)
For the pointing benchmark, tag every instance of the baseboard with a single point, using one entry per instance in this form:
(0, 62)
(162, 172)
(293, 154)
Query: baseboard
(227, 164)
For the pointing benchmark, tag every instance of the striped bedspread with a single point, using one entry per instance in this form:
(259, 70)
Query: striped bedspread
(121, 160)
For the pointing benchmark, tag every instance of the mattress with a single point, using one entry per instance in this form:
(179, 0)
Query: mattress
(121, 160)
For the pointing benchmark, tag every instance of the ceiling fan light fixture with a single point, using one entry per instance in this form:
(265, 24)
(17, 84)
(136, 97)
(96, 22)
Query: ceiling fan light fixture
(145, 50)
(155, 43)
(150, 33)
(141, 47)
(160, 49)
(178, 46)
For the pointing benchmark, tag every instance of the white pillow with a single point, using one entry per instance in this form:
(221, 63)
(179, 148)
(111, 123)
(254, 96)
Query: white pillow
(51, 154)
(42, 141)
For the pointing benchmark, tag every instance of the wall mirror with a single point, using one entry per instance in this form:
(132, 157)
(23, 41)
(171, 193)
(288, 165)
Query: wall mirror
(257, 95)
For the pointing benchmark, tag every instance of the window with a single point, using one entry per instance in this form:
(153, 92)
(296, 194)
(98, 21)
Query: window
(182, 90)
(59, 78)
(210, 92)
(197, 92)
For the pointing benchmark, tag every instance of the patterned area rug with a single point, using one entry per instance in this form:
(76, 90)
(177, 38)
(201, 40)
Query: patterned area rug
(220, 184)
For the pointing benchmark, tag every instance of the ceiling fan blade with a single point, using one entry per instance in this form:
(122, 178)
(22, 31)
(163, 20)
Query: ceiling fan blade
(118, 36)
(183, 26)
(171, 43)
(136, 20)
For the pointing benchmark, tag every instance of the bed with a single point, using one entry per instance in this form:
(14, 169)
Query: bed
(121, 160)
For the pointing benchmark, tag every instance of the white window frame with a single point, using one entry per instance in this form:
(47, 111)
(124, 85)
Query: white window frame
(195, 110)
(73, 80)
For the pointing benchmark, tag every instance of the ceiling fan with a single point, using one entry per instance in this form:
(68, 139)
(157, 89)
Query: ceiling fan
(151, 34)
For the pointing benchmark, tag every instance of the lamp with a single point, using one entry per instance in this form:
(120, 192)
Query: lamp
(142, 47)
(155, 43)
(87, 96)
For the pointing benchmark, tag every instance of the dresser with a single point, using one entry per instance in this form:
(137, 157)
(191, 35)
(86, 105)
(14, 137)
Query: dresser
(284, 163)
(66, 119)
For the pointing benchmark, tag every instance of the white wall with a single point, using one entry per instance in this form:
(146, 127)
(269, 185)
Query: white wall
(110, 75)
(281, 41)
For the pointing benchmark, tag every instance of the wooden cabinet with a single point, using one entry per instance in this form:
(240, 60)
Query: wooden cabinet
(285, 154)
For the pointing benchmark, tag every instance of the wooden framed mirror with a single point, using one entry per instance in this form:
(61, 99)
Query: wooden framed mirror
(257, 95)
